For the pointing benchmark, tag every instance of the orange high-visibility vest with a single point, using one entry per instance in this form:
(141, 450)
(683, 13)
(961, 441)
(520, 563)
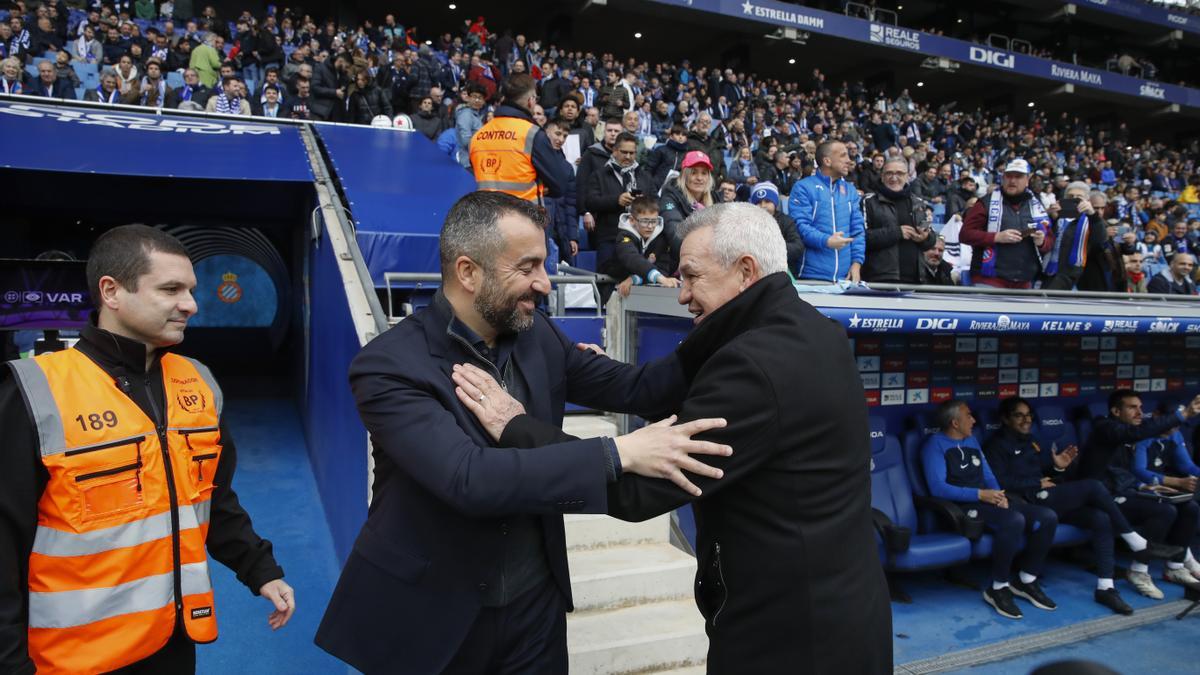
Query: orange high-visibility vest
(122, 523)
(502, 157)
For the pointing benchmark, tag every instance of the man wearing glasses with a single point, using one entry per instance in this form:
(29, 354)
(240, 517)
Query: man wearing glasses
(897, 226)
(1034, 475)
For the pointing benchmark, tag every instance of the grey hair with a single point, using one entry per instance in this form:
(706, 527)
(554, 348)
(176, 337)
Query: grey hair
(472, 227)
(946, 413)
(1079, 185)
(740, 229)
(897, 160)
(1097, 193)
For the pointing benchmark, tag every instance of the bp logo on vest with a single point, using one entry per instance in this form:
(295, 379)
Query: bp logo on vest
(191, 400)
(491, 164)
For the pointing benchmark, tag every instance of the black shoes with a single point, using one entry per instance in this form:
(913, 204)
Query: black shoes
(1034, 594)
(1155, 550)
(1111, 599)
(1001, 599)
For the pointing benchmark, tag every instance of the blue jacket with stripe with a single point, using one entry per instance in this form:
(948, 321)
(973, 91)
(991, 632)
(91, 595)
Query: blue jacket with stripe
(821, 206)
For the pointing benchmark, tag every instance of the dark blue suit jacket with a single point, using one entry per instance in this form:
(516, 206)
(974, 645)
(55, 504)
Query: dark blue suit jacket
(411, 587)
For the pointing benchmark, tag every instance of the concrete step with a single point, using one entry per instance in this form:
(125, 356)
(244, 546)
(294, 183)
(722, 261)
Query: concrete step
(595, 530)
(621, 576)
(641, 639)
(589, 425)
(689, 670)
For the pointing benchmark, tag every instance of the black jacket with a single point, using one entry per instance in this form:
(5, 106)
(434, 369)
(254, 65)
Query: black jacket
(443, 490)
(789, 578)
(890, 257)
(1109, 450)
(231, 537)
(368, 102)
(632, 255)
(554, 90)
(956, 200)
(663, 159)
(604, 187)
(1163, 282)
(429, 124)
(791, 238)
(1018, 463)
(594, 156)
(326, 105)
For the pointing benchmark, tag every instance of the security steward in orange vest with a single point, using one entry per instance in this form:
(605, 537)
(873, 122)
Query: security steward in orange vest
(511, 154)
(116, 483)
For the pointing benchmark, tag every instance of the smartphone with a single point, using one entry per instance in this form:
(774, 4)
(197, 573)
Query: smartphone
(636, 193)
(1070, 208)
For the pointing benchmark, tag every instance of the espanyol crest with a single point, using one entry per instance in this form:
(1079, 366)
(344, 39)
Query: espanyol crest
(988, 254)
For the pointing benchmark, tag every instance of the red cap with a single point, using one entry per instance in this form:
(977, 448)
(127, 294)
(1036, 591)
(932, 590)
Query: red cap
(697, 157)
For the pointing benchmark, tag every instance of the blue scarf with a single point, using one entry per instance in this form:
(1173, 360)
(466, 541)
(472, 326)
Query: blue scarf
(1077, 256)
(106, 98)
(987, 265)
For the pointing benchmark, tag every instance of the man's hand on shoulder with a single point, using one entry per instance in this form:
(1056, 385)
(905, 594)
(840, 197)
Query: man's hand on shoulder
(665, 449)
(485, 399)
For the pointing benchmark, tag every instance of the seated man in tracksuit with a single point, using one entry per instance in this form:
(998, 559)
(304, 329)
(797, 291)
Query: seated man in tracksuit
(643, 251)
(955, 469)
(1165, 460)
(1035, 475)
(1108, 456)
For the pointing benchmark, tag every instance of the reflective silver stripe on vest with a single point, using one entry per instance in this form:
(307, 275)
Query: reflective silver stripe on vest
(207, 376)
(530, 137)
(67, 609)
(60, 544)
(35, 389)
(505, 186)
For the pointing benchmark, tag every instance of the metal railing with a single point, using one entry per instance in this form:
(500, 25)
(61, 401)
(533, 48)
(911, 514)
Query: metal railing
(1027, 292)
(574, 276)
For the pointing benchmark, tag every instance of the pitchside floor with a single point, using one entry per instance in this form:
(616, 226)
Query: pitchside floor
(947, 628)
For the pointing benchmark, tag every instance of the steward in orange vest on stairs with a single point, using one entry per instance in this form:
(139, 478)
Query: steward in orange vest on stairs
(511, 154)
(117, 474)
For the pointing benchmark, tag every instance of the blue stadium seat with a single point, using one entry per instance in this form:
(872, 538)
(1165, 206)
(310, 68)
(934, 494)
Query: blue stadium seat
(586, 260)
(913, 441)
(32, 68)
(892, 493)
(1053, 429)
(84, 70)
(79, 92)
(174, 80)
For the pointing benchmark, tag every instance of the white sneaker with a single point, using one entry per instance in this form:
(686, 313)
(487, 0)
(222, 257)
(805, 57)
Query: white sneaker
(1144, 584)
(1192, 565)
(1181, 576)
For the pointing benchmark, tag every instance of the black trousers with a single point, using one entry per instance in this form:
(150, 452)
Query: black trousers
(177, 656)
(528, 635)
(1037, 523)
(1163, 522)
(1088, 504)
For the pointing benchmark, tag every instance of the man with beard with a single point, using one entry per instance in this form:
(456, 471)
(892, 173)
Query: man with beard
(461, 566)
(1011, 230)
(788, 578)
(897, 227)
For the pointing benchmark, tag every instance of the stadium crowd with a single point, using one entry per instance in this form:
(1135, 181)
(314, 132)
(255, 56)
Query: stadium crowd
(913, 181)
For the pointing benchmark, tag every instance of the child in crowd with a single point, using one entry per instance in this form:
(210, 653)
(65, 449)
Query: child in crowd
(642, 255)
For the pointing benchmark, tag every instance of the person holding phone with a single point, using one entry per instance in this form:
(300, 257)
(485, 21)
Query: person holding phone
(611, 189)
(897, 227)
